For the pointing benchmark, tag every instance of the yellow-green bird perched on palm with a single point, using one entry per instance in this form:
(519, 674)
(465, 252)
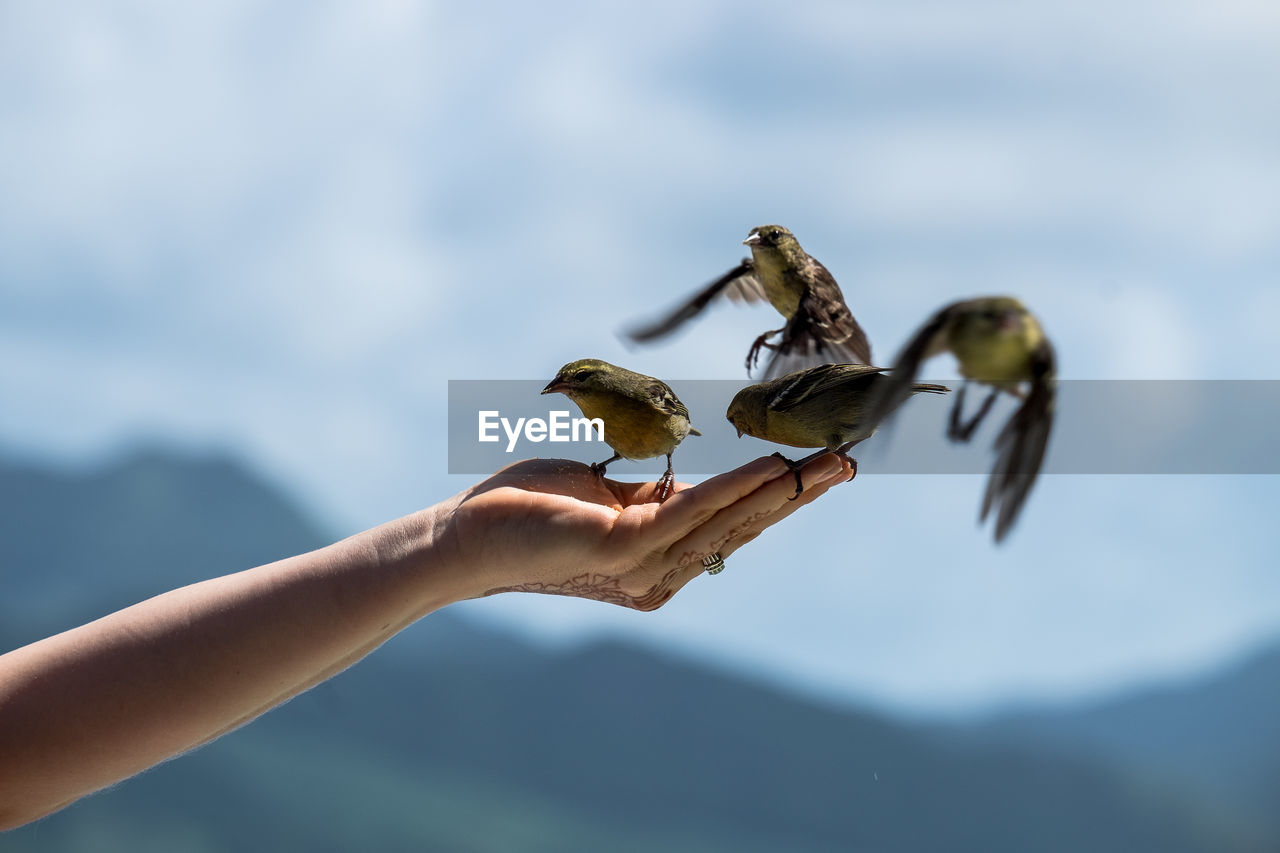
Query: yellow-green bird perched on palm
(999, 343)
(643, 417)
(829, 406)
(820, 327)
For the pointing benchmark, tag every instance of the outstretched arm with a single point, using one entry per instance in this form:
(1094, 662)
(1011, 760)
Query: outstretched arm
(101, 702)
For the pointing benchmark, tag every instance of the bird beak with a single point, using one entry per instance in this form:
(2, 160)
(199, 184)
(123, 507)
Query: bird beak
(739, 431)
(554, 386)
(753, 239)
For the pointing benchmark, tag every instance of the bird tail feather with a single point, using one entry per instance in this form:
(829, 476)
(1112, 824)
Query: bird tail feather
(927, 388)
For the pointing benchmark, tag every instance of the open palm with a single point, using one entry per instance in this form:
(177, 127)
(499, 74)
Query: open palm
(553, 526)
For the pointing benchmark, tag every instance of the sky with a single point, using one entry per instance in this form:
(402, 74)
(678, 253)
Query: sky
(278, 229)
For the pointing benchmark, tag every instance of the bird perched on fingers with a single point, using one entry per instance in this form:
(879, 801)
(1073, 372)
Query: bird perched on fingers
(829, 406)
(643, 417)
(999, 343)
(819, 328)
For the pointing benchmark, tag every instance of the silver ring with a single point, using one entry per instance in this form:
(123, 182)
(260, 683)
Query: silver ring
(713, 563)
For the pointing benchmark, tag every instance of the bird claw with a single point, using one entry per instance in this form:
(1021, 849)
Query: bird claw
(960, 430)
(762, 342)
(666, 485)
(853, 463)
(794, 468)
(794, 465)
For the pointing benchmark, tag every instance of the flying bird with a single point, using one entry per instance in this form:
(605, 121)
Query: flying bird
(819, 328)
(999, 343)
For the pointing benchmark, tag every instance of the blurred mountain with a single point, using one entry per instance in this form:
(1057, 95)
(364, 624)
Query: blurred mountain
(77, 544)
(1218, 735)
(457, 738)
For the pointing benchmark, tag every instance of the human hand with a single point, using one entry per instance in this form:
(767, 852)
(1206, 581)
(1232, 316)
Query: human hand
(186, 666)
(553, 526)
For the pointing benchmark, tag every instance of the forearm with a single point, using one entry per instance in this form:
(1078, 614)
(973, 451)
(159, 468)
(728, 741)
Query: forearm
(88, 707)
(96, 704)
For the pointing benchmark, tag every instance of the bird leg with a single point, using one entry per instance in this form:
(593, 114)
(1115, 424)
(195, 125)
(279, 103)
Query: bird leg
(753, 354)
(957, 429)
(843, 452)
(667, 483)
(794, 468)
(597, 468)
(795, 465)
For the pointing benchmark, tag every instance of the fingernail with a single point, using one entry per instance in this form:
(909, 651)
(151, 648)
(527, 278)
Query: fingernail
(831, 466)
(842, 477)
(833, 480)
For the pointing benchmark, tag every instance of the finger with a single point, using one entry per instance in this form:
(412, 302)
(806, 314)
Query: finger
(689, 563)
(748, 533)
(691, 507)
(554, 476)
(810, 494)
(752, 513)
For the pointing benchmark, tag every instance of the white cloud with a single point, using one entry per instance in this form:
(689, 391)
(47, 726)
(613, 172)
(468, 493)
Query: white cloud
(282, 228)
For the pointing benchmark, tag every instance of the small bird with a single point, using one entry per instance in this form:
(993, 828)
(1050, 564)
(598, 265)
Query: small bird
(999, 343)
(828, 406)
(819, 328)
(643, 417)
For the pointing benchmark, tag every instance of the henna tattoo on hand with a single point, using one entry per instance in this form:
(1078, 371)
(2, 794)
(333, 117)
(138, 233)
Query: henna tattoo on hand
(608, 588)
(602, 587)
(741, 529)
(744, 528)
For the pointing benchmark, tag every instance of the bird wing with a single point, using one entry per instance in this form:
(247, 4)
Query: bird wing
(816, 382)
(801, 349)
(739, 284)
(926, 341)
(664, 399)
(822, 329)
(828, 313)
(1021, 444)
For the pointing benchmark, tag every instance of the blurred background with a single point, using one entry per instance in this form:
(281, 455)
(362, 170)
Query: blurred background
(244, 246)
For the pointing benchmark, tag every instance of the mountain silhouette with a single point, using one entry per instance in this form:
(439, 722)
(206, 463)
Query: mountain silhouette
(455, 737)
